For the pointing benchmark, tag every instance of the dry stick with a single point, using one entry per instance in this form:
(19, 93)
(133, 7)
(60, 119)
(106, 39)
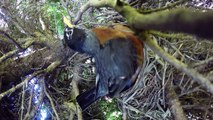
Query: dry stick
(124, 116)
(49, 69)
(178, 64)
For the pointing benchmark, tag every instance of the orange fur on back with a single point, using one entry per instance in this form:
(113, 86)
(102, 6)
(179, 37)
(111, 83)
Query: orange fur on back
(119, 31)
(104, 34)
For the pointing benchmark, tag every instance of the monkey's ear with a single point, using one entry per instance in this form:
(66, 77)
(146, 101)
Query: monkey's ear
(67, 22)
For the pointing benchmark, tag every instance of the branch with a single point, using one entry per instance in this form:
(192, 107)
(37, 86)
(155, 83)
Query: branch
(11, 40)
(20, 84)
(178, 64)
(80, 13)
(93, 3)
(189, 21)
(177, 20)
(14, 52)
(8, 55)
(50, 68)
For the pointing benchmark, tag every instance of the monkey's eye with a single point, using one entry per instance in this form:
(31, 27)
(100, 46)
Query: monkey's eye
(69, 32)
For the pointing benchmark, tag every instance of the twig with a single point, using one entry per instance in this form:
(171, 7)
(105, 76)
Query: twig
(22, 101)
(178, 64)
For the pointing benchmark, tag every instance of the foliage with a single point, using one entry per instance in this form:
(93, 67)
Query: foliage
(55, 13)
(110, 109)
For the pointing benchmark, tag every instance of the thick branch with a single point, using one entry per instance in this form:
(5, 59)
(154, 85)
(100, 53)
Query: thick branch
(177, 20)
